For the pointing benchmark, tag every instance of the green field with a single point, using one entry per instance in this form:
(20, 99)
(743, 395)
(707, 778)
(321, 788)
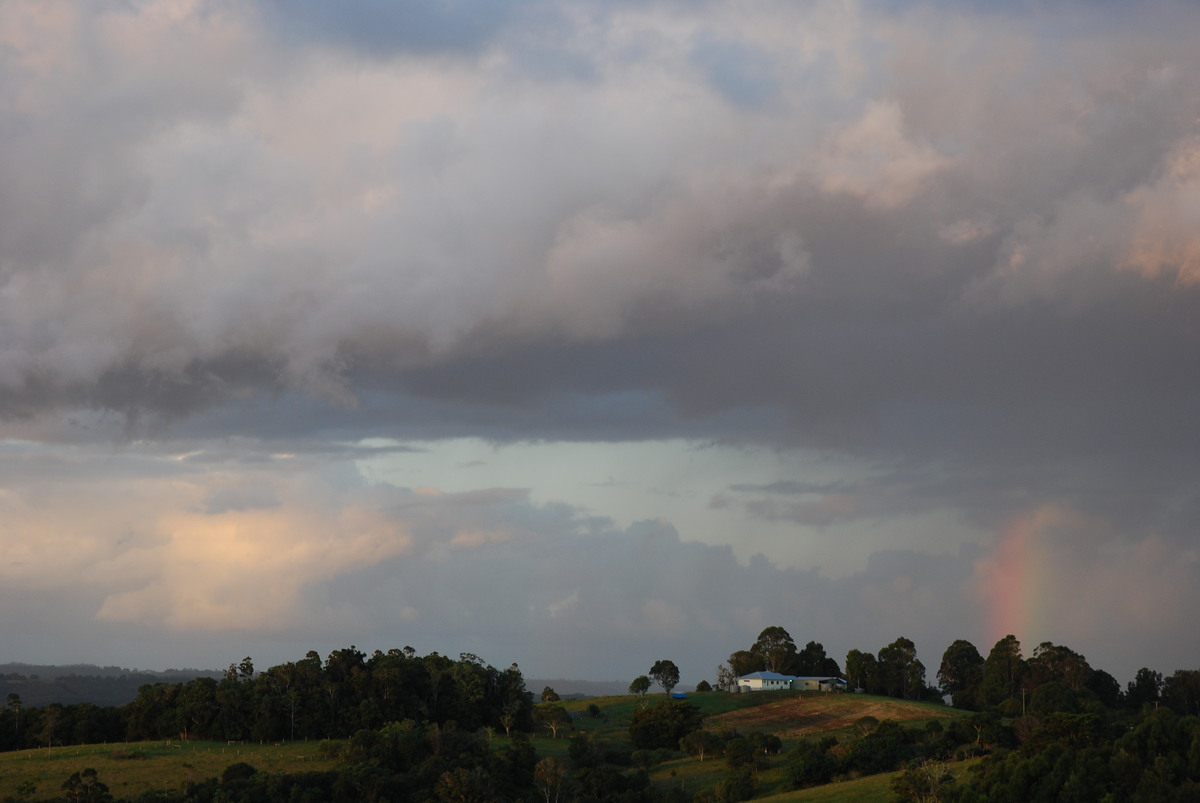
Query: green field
(136, 767)
(130, 769)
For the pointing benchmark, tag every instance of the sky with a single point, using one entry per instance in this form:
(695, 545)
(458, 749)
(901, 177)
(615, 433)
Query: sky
(586, 334)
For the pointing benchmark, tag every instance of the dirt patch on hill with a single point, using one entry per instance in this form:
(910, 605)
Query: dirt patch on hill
(800, 716)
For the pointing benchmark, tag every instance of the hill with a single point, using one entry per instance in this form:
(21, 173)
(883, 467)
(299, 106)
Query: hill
(808, 716)
(39, 685)
(791, 716)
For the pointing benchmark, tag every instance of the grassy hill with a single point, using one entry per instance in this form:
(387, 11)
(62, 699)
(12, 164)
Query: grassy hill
(130, 769)
(790, 715)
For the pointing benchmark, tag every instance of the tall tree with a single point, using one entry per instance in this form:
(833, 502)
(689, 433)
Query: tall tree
(1181, 692)
(1003, 671)
(665, 674)
(14, 705)
(639, 686)
(960, 674)
(776, 648)
(552, 716)
(861, 671)
(726, 679)
(1144, 689)
(1054, 662)
(902, 674)
(743, 662)
(812, 662)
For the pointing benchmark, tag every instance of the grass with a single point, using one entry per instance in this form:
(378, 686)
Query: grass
(132, 768)
(791, 715)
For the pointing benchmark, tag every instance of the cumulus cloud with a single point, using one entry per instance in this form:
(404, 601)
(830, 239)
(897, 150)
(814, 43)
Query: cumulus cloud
(954, 245)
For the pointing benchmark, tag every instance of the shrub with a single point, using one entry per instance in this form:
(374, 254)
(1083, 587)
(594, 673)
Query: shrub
(663, 725)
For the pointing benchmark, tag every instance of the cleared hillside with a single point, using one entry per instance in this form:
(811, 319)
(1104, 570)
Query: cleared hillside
(799, 716)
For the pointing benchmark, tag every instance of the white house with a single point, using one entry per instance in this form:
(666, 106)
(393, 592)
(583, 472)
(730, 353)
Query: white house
(765, 681)
(773, 681)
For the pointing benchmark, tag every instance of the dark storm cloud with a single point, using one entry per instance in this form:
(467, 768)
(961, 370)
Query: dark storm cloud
(956, 249)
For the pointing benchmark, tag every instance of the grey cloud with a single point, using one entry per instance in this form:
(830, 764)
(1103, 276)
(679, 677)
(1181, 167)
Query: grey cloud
(380, 28)
(939, 258)
(742, 73)
(240, 499)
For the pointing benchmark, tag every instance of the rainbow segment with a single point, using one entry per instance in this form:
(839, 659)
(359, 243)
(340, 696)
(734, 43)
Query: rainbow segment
(1018, 583)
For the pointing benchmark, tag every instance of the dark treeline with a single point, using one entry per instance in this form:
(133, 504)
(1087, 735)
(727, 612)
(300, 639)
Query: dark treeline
(1052, 678)
(1048, 725)
(42, 685)
(306, 699)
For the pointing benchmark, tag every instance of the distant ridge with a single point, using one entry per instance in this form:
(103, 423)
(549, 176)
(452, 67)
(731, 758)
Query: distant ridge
(41, 684)
(576, 688)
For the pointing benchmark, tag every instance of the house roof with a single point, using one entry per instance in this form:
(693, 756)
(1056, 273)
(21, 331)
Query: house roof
(777, 676)
(767, 676)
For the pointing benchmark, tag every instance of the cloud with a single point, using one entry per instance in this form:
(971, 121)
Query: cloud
(952, 250)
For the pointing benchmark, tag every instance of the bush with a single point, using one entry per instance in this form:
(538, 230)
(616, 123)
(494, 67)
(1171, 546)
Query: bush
(810, 764)
(237, 772)
(737, 787)
(663, 725)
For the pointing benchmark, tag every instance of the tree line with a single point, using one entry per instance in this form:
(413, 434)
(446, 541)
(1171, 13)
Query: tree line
(307, 699)
(1052, 677)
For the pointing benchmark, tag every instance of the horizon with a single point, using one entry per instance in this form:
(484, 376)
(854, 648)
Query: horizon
(582, 335)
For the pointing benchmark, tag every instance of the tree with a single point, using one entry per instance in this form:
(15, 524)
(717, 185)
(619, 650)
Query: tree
(553, 779)
(553, 716)
(726, 678)
(663, 725)
(1106, 688)
(813, 662)
(700, 743)
(743, 662)
(902, 674)
(810, 764)
(960, 673)
(14, 705)
(1181, 692)
(1003, 671)
(86, 787)
(1144, 689)
(1053, 662)
(922, 782)
(463, 785)
(549, 695)
(704, 686)
(861, 671)
(639, 686)
(776, 649)
(665, 674)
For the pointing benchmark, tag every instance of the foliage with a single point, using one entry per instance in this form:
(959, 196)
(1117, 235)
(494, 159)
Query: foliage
(811, 764)
(412, 728)
(960, 674)
(665, 674)
(900, 671)
(701, 743)
(1003, 671)
(639, 686)
(86, 787)
(775, 648)
(552, 716)
(663, 725)
(862, 671)
(922, 782)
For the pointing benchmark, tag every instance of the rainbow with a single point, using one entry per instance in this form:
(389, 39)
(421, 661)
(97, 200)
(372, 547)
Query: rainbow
(1017, 582)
